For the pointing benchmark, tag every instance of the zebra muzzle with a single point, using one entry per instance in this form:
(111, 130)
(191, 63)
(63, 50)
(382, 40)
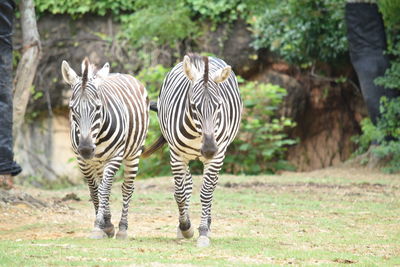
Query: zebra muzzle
(86, 151)
(209, 147)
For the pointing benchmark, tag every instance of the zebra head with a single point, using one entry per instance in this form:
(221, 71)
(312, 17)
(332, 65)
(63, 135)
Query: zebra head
(86, 108)
(205, 101)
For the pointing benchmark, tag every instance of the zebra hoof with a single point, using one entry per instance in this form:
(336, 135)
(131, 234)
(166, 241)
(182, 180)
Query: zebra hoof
(110, 231)
(97, 233)
(185, 234)
(203, 241)
(121, 235)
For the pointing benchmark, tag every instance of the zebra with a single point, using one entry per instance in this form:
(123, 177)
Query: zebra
(199, 110)
(109, 119)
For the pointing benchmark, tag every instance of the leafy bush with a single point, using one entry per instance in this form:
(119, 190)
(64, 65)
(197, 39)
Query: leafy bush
(261, 142)
(158, 163)
(302, 32)
(370, 134)
(386, 133)
(78, 8)
(161, 22)
(226, 10)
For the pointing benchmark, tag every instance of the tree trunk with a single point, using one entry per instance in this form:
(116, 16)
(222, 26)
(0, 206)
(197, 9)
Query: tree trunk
(27, 66)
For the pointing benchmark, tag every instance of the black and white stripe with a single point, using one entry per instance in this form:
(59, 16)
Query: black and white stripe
(199, 110)
(109, 122)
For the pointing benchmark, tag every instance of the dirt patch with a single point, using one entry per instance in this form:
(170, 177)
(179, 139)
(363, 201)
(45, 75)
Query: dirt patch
(13, 198)
(350, 189)
(310, 184)
(71, 196)
(17, 197)
(345, 261)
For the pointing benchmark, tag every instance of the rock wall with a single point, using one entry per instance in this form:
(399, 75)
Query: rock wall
(46, 153)
(327, 115)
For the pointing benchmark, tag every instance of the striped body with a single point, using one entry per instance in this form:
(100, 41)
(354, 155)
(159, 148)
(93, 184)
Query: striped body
(109, 122)
(176, 120)
(123, 126)
(199, 110)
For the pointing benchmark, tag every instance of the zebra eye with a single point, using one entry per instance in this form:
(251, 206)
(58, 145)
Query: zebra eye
(98, 107)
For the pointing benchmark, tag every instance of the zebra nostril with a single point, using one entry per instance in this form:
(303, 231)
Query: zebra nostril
(86, 151)
(209, 146)
(209, 151)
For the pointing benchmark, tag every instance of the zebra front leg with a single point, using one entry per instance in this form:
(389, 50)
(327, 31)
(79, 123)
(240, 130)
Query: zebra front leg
(183, 192)
(90, 176)
(186, 230)
(131, 169)
(210, 179)
(108, 226)
(103, 213)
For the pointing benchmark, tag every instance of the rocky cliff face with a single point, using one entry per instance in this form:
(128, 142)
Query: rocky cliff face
(327, 113)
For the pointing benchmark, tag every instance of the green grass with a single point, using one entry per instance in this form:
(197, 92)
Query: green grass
(258, 221)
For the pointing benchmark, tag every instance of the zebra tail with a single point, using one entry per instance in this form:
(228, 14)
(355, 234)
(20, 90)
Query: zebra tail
(154, 147)
(153, 106)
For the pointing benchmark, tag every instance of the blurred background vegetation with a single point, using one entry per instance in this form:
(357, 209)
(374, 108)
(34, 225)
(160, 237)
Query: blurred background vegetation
(304, 35)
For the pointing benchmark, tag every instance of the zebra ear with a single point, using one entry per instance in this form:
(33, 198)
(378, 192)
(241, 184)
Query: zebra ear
(222, 74)
(68, 73)
(189, 70)
(105, 70)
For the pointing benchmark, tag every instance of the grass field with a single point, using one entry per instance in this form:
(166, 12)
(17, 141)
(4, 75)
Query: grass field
(328, 217)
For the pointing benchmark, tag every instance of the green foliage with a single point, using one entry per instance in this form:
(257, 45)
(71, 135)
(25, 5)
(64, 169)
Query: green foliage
(78, 8)
(225, 10)
(157, 21)
(261, 143)
(390, 150)
(389, 126)
(386, 133)
(370, 134)
(389, 123)
(153, 78)
(390, 12)
(302, 32)
(391, 79)
(158, 163)
(16, 58)
(161, 22)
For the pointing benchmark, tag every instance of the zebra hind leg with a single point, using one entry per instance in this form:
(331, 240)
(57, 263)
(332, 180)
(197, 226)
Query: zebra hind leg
(131, 169)
(183, 192)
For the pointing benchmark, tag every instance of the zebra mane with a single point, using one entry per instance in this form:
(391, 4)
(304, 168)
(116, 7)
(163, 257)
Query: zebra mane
(205, 70)
(85, 73)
